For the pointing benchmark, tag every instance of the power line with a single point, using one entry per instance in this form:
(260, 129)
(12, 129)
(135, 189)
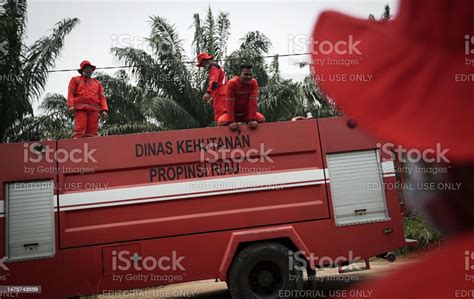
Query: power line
(186, 62)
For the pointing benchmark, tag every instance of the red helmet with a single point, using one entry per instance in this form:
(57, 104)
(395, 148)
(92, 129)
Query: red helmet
(83, 64)
(203, 56)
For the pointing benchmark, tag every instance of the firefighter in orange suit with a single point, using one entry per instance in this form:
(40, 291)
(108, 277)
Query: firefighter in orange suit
(216, 89)
(242, 101)
(86, 101)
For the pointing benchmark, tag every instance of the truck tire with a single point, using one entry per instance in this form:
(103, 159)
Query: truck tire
(263, 271)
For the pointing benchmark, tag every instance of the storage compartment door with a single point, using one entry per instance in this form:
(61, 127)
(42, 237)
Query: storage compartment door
(29, 220)
(356, 187)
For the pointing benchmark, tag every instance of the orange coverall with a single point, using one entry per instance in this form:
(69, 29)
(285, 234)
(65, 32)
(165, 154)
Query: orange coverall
(241, 102)
(87, 97)
(216, 89)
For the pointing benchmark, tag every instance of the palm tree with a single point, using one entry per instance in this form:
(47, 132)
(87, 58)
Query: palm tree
(24, 67)
(278, 99)
(386, 16)
(166, 90)
(282, 99)
(251, 51)
(129, 114)
(315, 102)
(212, 35)
(170, 92)
(53, 123)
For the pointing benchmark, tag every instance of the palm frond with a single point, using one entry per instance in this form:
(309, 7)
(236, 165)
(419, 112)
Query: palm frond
(172, 116)
(251, 51)
(165, 41)
(128, 128)
(198, 41)
(170, 56)
(209, 35)
(223, 33)
(143, 65)
(125, 99)
(255, 44)
(42, 54)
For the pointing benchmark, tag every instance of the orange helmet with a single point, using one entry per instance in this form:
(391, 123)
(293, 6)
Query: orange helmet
(203, 56)
(83, 64)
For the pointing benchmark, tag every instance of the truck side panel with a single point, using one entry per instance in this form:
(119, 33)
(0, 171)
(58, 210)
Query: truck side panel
(337, 137)
(163, 184)
(201, 260)
(28, 162)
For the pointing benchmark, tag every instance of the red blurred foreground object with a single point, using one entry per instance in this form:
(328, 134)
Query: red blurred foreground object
(448, 273)
(410, 80)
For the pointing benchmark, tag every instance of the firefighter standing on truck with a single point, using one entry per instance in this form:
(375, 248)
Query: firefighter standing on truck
(215, 92)
(242, 101)
(86, 101)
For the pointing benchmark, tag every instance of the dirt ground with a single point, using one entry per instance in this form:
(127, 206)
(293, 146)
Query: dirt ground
(330, 283)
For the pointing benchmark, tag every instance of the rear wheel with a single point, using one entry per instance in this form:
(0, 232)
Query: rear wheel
(265, 270)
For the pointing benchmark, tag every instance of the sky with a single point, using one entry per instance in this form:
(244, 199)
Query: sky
(106, 24)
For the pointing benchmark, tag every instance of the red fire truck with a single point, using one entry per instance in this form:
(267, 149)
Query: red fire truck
(259, 209)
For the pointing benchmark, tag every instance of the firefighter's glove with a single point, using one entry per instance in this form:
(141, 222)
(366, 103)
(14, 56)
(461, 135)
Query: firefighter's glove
(70, 111)
(207, 98)
(253, 124)
(234, 126)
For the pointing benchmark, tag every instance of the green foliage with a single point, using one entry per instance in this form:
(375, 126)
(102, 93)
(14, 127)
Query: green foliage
(254, 46)
(418, 229)
(161, 90)
(52, 124)
(386, 16)
(27, 68)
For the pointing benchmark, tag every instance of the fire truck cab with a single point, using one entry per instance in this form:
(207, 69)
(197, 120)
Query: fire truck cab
(259, 209)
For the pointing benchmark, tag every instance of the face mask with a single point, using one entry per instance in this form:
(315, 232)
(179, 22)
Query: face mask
(88, 75)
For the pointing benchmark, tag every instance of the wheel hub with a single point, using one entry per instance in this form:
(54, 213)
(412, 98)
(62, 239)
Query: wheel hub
(265, 278)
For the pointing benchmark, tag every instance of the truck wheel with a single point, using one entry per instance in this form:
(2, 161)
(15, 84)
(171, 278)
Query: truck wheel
(263, 271)
(390, 256)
